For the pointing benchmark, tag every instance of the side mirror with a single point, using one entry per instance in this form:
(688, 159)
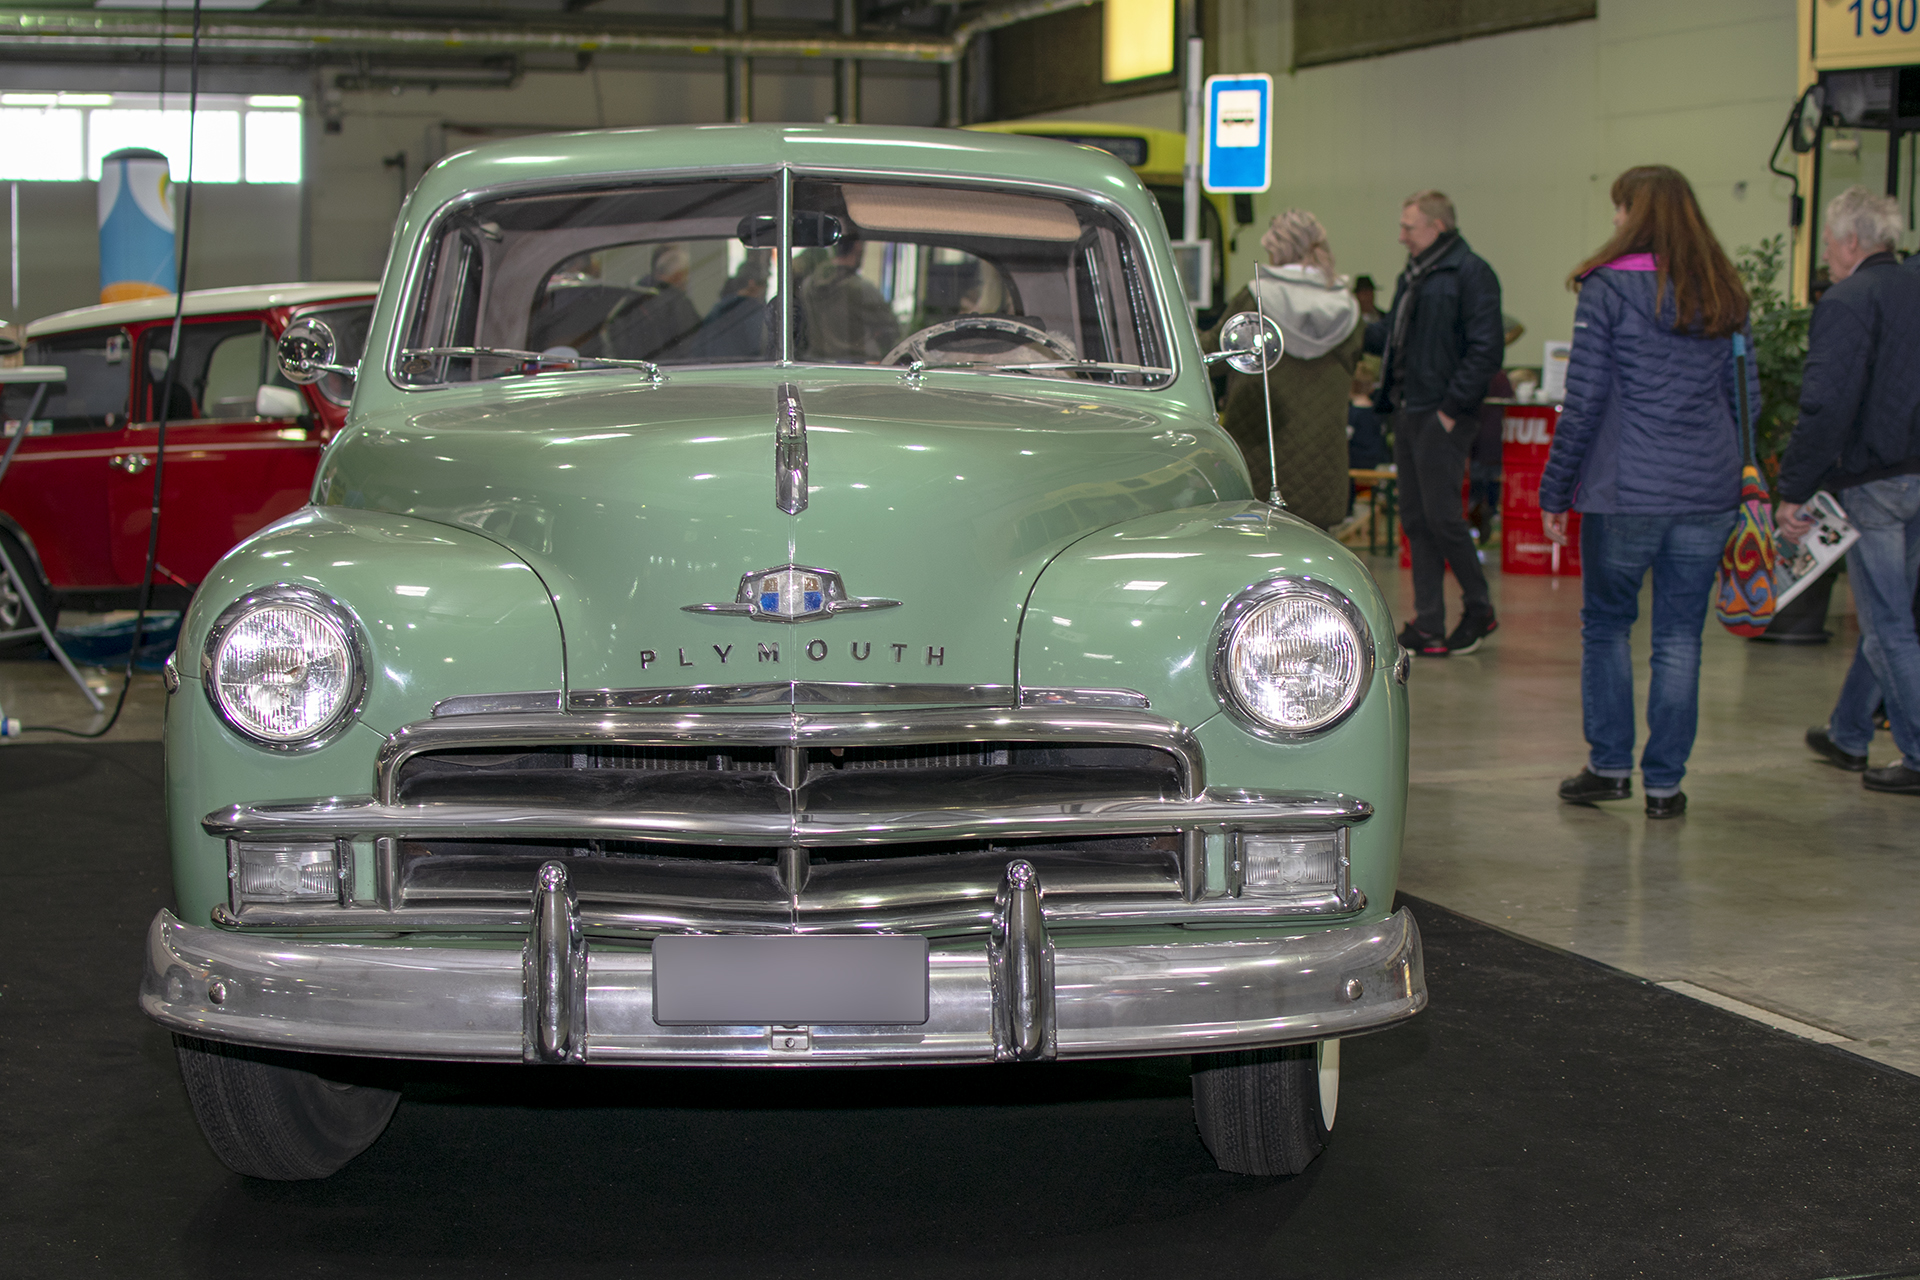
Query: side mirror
(278, 402)
(306, 353)
(1249, 343)
(1808, 115)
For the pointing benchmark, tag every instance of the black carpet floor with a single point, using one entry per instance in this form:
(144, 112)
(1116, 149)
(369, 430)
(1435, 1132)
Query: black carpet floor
(1547, 1117)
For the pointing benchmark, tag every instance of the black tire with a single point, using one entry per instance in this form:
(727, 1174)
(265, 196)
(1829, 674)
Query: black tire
(265, 1119)
(1260, 1111)
(14, 615)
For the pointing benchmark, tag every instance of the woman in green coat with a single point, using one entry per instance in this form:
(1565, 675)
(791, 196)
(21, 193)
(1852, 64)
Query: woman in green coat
(1310, 387)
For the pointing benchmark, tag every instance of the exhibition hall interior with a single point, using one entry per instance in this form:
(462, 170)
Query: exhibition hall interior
(961, 637)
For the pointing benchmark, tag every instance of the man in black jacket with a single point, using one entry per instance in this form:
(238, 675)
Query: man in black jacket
(1859, 437)
(1441, 343)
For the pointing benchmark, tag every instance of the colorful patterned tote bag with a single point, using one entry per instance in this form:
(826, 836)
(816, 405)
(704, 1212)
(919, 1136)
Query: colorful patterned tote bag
(1745, 601)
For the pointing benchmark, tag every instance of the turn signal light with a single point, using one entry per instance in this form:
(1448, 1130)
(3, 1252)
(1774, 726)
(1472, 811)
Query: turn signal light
(305, 872)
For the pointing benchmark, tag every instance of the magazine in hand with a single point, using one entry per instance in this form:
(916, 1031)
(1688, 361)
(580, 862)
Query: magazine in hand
(1797, 564)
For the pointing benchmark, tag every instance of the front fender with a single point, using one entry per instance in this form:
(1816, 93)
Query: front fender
(443, 612)
(1135, 607)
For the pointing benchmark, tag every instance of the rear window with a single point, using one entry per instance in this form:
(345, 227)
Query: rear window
(93, 398)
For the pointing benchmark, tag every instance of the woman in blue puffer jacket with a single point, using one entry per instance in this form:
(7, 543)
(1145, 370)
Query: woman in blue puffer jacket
(1648, 450)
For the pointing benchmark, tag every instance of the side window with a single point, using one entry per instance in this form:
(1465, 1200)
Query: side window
(222, 363)
(94, 398)
(234, 371)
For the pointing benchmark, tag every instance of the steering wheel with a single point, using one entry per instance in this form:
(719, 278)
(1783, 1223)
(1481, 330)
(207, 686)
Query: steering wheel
(914, 345)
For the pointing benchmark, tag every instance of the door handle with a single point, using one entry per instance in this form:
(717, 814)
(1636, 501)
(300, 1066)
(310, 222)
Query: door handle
(131, 463)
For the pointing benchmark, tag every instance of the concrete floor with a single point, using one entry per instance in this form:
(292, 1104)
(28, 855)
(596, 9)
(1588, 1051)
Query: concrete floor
(1786, 891)
(1787, 886)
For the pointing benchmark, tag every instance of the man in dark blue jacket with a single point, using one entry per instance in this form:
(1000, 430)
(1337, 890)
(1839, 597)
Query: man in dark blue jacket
(1859, 437)
(1441, 342)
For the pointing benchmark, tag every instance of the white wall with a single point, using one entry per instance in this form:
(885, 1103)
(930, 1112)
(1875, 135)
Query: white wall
(251, 235)
(1526, 131)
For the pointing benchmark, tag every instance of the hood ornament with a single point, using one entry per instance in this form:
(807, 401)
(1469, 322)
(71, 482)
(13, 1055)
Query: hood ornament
(792, 593)
(789, 450)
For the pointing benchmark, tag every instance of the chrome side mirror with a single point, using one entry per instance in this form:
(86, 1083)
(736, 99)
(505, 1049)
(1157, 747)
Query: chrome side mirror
(1249, 343)
(306, 353)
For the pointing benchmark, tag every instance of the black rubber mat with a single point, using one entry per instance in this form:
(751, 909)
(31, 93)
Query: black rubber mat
(1547, 1117)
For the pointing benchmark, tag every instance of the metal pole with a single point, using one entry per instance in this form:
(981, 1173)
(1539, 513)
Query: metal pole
(15, 276)
(1190, 199)
(739, 68)
(846, 72)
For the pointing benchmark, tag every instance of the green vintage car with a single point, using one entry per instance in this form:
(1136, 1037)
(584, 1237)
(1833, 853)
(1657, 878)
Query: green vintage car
(781, 597)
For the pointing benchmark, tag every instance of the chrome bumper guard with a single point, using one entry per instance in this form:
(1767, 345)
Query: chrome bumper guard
(561, 998)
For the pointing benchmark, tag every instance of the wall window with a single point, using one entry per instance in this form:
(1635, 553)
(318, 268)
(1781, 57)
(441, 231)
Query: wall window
(62, 137)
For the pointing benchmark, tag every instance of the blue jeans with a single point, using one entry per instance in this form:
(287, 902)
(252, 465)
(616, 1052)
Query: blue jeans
(1615, 553)
(1883, 568)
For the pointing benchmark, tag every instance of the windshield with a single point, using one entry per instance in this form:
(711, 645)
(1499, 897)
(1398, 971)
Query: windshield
(676, 274)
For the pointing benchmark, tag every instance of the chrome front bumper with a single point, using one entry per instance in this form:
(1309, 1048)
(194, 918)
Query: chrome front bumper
(561, 999)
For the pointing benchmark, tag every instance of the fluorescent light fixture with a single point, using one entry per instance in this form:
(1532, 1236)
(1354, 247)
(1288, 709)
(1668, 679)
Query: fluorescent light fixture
(275, 100)
(174, 4)
(1138, 40)
(28, 99)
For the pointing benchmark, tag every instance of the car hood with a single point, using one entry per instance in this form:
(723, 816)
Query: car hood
(636, 504)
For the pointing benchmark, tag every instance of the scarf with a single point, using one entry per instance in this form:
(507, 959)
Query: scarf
(1418, 268)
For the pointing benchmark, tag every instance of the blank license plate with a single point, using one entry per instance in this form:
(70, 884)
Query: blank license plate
(804, 980)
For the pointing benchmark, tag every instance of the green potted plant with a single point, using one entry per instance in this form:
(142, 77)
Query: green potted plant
(1780, 354)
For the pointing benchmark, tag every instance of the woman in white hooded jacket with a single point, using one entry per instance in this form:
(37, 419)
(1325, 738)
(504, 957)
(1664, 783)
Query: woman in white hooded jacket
(1310, 387)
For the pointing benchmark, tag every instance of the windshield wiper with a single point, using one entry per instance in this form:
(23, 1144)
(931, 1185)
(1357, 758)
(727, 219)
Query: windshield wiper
(541, 361)
(1040, 366)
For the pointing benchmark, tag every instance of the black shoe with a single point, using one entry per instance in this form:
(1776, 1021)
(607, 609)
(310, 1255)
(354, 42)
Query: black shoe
(1823, 745)
(1895, 778)
(1673, 806)
(1474, 627)
(1586, 787)
(1421, 642)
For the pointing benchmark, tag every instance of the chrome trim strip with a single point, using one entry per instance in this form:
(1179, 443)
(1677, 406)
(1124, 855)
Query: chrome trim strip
(1107, 726)
(789, 450)
(799, 692)
(467, 1003)
(481, 704)
(364, 818)
(1084, 698)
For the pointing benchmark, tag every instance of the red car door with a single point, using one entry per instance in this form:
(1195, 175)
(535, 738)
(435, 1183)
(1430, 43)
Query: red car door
(56, 492)
(228, 471)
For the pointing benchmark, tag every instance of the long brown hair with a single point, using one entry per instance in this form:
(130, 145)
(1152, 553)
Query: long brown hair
(1664, 219)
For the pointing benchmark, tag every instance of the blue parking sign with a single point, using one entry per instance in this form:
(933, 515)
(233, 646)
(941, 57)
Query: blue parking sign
(1239, 133)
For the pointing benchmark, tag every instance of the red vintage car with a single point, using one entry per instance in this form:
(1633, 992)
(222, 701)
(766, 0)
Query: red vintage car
(242, 442)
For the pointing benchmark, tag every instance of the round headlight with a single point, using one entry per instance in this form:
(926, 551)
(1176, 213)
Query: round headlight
(1292, 658)
(282, 668)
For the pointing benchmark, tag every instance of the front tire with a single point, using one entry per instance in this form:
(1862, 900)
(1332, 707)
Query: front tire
(268, 1120)
(1267, 1111)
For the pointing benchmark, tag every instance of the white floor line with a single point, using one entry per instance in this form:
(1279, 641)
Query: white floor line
(1779, 1022)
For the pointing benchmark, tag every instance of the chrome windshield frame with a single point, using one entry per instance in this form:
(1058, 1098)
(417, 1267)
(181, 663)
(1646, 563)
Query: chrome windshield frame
(1152, 301)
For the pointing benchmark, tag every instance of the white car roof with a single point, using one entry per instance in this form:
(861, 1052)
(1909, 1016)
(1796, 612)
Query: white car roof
(201, 302)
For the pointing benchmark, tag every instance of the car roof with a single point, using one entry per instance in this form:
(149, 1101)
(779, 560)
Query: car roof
(615, 153)
(201, 302)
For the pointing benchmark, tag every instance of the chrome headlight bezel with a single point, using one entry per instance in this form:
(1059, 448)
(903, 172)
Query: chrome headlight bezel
(334, 615)
(1235, 616)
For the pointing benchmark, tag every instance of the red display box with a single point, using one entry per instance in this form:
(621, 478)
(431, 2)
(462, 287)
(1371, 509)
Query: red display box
(1526, 438)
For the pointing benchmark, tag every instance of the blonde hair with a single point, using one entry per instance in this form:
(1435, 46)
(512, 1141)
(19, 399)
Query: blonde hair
(1296, 236)
(1435, 205)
